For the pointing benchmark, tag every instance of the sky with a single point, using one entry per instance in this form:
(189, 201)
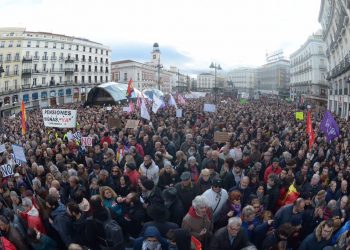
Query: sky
(191, 33)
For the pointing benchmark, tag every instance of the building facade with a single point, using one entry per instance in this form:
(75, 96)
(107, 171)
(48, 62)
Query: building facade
(244, 79)
(308, 71)
(334, 18)
(274, 77)
(46, 69)
(206, 82)
(150, 74)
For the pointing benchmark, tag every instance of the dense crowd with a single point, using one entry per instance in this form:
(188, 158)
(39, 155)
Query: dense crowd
(168, 185)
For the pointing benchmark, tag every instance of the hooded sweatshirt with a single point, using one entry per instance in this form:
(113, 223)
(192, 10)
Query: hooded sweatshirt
(150, 231)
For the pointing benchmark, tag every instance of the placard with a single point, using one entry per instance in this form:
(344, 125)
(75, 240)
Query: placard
(77, 136)
(70, 136)
(18, 152)
(179, 113)
(2, 148)
(109, 108)
(126, 109)
(6, 170)
(86, 141)
(221, 137)
(114, 122)
(299, 116)
(132, 124)
(60, 118)
(209, 107)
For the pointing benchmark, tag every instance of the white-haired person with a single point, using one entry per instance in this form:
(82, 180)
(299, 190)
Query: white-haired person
(199, 220)
(229, 237)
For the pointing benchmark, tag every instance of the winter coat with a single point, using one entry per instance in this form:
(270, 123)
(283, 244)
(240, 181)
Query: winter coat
(271, 197)
(62, 224)
(314, 240)
(194, 224)
(285, 214)
(152, 172)
(44, 243)
(203, 186)
(16, 239)
(215, 203)
(94, 230)
(113, 206)
(150, 232)
(221, 240)
(186, 194)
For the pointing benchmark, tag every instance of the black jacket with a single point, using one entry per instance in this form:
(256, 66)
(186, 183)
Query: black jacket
(271, 197)
(221, 240)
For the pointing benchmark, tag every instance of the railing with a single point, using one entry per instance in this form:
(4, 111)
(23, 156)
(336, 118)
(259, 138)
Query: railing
(45, 58)
(27, 59)
(53, 58)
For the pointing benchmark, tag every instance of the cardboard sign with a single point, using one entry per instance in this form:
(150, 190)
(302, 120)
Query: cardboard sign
(14, 160)
(109, 108)
(114, 122)
(86, 141)
(6, 170)
(209, 107)
(18, 152)
(221, 137)
(299, 116)
(60, 118)
(132, 124)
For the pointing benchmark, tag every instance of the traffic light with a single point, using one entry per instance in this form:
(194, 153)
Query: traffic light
(1, 70)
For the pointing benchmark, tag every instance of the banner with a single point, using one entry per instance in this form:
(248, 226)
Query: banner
(132, 124)
(2, 148)
(299, 116)
(221, 137)
(60, 118)
(77, 136)
(329, 127)
(6, 170)
(157, 103)
(144, 111)
(209, 107)
(86, 141)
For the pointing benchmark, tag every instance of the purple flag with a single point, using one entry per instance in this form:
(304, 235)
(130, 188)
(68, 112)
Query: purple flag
(329, 126)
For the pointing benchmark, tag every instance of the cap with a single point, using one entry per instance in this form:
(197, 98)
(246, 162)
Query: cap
(185, 176)
(217, 183)
(275, 160)
(131, 165)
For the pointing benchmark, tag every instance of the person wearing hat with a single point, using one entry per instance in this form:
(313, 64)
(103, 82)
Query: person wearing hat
(150, 194)
(174, 205)
(217, 197)
(151, 239)
(132, 173)
(159, 215)
(186, 190)
(273, 168)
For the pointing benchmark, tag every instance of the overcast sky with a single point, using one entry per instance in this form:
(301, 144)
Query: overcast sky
(190, 33)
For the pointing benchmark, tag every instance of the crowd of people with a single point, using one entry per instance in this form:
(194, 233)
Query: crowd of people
(168, 184)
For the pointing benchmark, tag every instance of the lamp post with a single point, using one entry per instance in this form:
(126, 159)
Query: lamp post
(159, 66)
(215, 67)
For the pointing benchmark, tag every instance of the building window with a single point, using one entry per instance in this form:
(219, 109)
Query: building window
(29, 44)
(37, 44)
(43, 81)
(62, 46)
(54, 45)
(2, 44)
(125, 76)
(89, 79)
(101, 78)
(16, 84)
(46, 44)
(138, 75)
(16, 70)
(11, 44)
(17, 57)
(34, 82)
(83, 79)
(84, 48)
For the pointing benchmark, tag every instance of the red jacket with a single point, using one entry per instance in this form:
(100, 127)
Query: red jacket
(33, 219)
(269, 171)
(134, 176)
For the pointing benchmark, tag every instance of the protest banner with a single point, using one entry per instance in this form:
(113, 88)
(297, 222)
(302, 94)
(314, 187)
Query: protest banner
(108, 108)
(114, 122)
(179, 113)
(132, 123)
(221, 137)
(86, 141)
(209, 107)
(299, 116)
(243, 101)
(6, 170)
(60, 118)
(18, 152)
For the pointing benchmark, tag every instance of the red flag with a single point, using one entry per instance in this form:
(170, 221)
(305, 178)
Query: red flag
(310, 130)
(308, 123)
(23, 118)
(130, 88)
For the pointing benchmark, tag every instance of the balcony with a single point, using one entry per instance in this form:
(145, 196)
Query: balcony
(45, 58)
(61, 58)
(26, 73)
(27, 59)
(16, 59)
(69, 60)
(36, 58)
(53, 58)
(8, 60)
(36, 72)
(69, 71)
(26, 86)
(56, 70)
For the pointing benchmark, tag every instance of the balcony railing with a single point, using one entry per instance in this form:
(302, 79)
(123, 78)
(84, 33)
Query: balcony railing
(53, 58)
(69, 71)
(44, 58)
(27, 59)
(26, 72)
(26, 86)
(69, 60)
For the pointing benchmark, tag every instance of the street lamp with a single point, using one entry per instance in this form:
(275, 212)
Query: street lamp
(215, 67)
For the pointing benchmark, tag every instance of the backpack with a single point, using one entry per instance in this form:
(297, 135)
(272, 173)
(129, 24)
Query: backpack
(113, 234)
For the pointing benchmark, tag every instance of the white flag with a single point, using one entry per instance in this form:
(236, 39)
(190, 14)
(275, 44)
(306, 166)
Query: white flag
(144, 111)
(172, 101)
(157, 103)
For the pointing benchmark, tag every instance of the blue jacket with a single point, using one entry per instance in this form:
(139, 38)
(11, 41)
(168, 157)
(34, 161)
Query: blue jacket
(62, 224)
(151, 232)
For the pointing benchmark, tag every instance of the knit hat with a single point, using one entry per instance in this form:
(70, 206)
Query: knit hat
(185, 176)
(148, 184)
